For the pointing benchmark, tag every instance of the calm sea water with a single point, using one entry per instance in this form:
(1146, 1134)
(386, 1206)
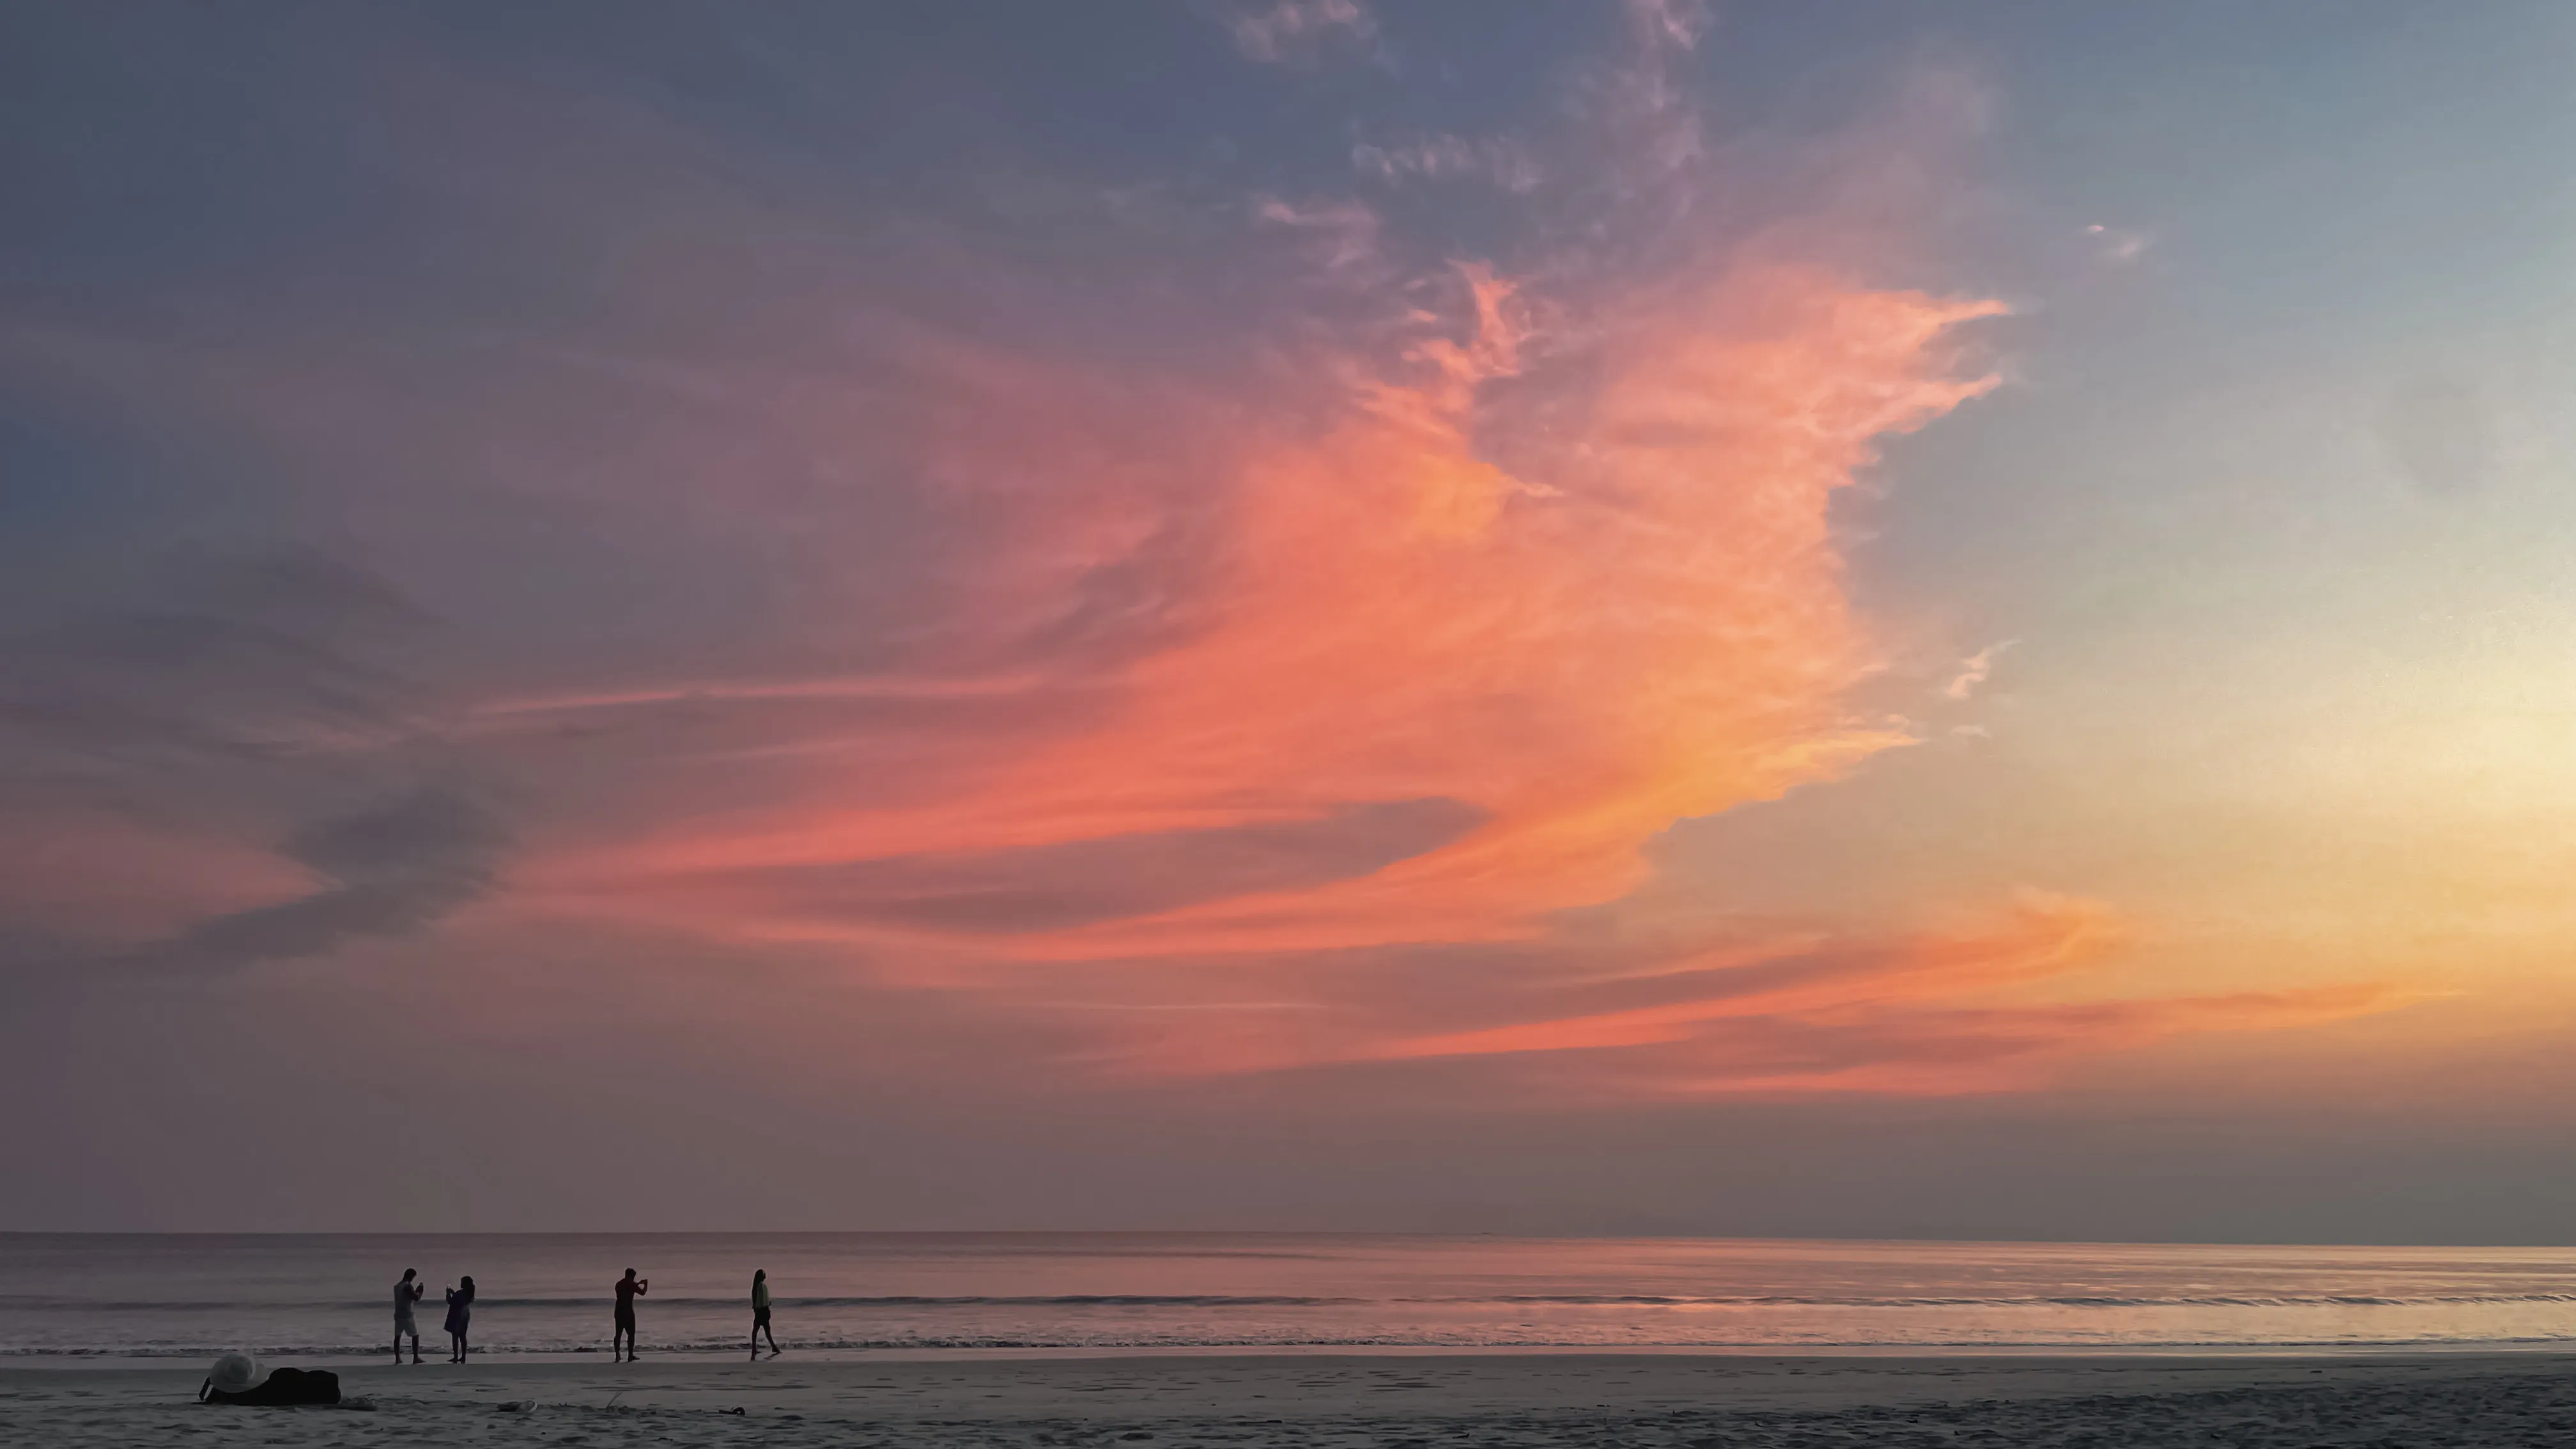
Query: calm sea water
(326, 1296)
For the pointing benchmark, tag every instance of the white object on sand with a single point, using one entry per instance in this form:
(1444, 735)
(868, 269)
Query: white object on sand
(235, 1373)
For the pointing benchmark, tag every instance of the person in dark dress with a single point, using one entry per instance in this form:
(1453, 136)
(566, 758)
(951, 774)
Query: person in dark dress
(629, 1288)
(760, 1314)
(460, 1317)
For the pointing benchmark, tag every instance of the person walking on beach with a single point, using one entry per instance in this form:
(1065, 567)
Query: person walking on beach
(629, 1288)
(406, 1293)
(460, 1317)
(760, 1314)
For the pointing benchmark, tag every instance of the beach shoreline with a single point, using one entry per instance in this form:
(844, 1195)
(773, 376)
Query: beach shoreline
(40, 1361)
(1272, 1400)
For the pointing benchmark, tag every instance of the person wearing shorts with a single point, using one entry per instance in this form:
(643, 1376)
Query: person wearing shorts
(406, 1293)
(629, 1288)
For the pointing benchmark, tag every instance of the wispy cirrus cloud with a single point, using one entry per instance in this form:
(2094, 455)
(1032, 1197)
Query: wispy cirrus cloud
(1975, 670)
(1498, 161)
(1290, 30)
(2118, 246)
(1347, 230)
(1996, 1003)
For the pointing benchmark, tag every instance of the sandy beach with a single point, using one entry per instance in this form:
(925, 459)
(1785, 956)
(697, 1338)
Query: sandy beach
(1410, 1401)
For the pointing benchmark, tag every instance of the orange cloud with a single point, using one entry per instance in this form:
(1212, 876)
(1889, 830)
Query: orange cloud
(1637, 621)
(1928, 1013)
(2008, 1048)
(2043, 938)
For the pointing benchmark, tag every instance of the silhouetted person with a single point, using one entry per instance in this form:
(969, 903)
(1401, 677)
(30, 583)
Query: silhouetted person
(760, 1314)
(406, 1293)
(460, 1317)
(629, 1288)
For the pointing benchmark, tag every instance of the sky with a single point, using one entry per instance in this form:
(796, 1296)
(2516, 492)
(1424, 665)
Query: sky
(1854, 620)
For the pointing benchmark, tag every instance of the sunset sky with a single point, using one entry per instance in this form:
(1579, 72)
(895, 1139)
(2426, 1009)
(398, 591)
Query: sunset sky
(1778, 618)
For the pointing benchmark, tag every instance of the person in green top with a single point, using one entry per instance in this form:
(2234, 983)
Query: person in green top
(760, 1313)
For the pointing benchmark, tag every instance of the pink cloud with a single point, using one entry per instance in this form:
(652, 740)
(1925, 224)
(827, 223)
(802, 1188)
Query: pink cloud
(1209, 689)
(1975, 670)
(1642, 624)
(102, 879)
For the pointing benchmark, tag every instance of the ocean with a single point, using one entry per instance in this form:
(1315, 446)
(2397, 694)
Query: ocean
(86, 1296)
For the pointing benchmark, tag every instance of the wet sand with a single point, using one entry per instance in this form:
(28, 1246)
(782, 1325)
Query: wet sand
(1302, 1401)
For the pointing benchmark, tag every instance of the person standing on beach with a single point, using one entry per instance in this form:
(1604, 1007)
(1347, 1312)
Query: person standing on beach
(460, 1317)
(760, 1314)
(629, 1288)
(406, 1293)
